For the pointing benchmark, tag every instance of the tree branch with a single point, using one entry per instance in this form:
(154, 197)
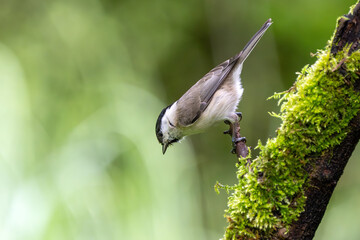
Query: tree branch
(329, 167)
(283, 193)
(239, 143)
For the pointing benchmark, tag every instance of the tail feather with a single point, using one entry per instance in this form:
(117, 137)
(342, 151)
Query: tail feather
(253, 41)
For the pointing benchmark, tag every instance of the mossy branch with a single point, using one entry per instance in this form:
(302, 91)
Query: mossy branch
(283, 193)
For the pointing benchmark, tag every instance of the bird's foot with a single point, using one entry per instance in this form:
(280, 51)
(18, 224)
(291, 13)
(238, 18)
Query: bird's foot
(227, 132)
(241, 139)
(227, 122)
(230, 127)
(239, 114)
(238, 142)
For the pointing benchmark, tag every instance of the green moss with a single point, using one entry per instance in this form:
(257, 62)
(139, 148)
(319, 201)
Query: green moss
(352, 9)
(315, 115)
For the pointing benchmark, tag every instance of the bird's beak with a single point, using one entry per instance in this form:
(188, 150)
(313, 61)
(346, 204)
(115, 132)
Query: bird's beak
(164, 147)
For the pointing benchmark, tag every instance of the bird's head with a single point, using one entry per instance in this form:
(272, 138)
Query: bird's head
(166, 130)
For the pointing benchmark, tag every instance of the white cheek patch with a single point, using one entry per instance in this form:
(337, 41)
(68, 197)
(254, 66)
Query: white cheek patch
(171, 113)
(165, 127)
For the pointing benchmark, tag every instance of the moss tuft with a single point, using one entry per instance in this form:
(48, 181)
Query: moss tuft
(315, 114)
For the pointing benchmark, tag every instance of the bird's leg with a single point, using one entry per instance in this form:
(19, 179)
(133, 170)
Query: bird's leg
(240, 139)
(230, 127)
(236, 130)
(238, 142)
(239, 114)
(237, 118)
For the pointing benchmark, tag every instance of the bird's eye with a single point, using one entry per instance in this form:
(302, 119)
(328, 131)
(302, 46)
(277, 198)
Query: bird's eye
(172, 125)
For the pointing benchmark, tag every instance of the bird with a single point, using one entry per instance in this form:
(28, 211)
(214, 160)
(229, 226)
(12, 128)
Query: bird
(212, 99)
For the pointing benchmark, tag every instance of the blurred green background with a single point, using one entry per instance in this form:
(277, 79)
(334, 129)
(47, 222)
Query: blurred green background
(82, 83)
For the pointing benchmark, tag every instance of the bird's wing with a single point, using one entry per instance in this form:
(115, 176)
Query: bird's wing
(194, 102)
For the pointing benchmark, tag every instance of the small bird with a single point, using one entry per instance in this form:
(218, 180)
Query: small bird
(212, 99)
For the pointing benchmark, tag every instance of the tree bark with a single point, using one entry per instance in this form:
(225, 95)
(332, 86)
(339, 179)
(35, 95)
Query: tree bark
(325, 174)
(284, 192)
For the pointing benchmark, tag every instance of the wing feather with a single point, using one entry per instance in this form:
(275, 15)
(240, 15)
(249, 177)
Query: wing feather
(197, 98)
(195, 101)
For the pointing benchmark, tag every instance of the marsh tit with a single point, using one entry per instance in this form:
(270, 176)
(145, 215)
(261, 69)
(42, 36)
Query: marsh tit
(212, 99)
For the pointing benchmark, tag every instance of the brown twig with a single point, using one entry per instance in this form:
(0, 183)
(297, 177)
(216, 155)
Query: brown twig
(240, 147)
(239, 143)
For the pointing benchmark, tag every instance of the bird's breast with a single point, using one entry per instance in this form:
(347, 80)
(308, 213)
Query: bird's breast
(221, 107)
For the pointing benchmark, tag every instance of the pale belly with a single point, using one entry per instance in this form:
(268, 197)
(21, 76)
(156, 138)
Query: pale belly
(222, 107)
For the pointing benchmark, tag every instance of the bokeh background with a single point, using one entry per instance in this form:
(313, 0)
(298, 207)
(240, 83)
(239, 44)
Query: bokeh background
(82, 83)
